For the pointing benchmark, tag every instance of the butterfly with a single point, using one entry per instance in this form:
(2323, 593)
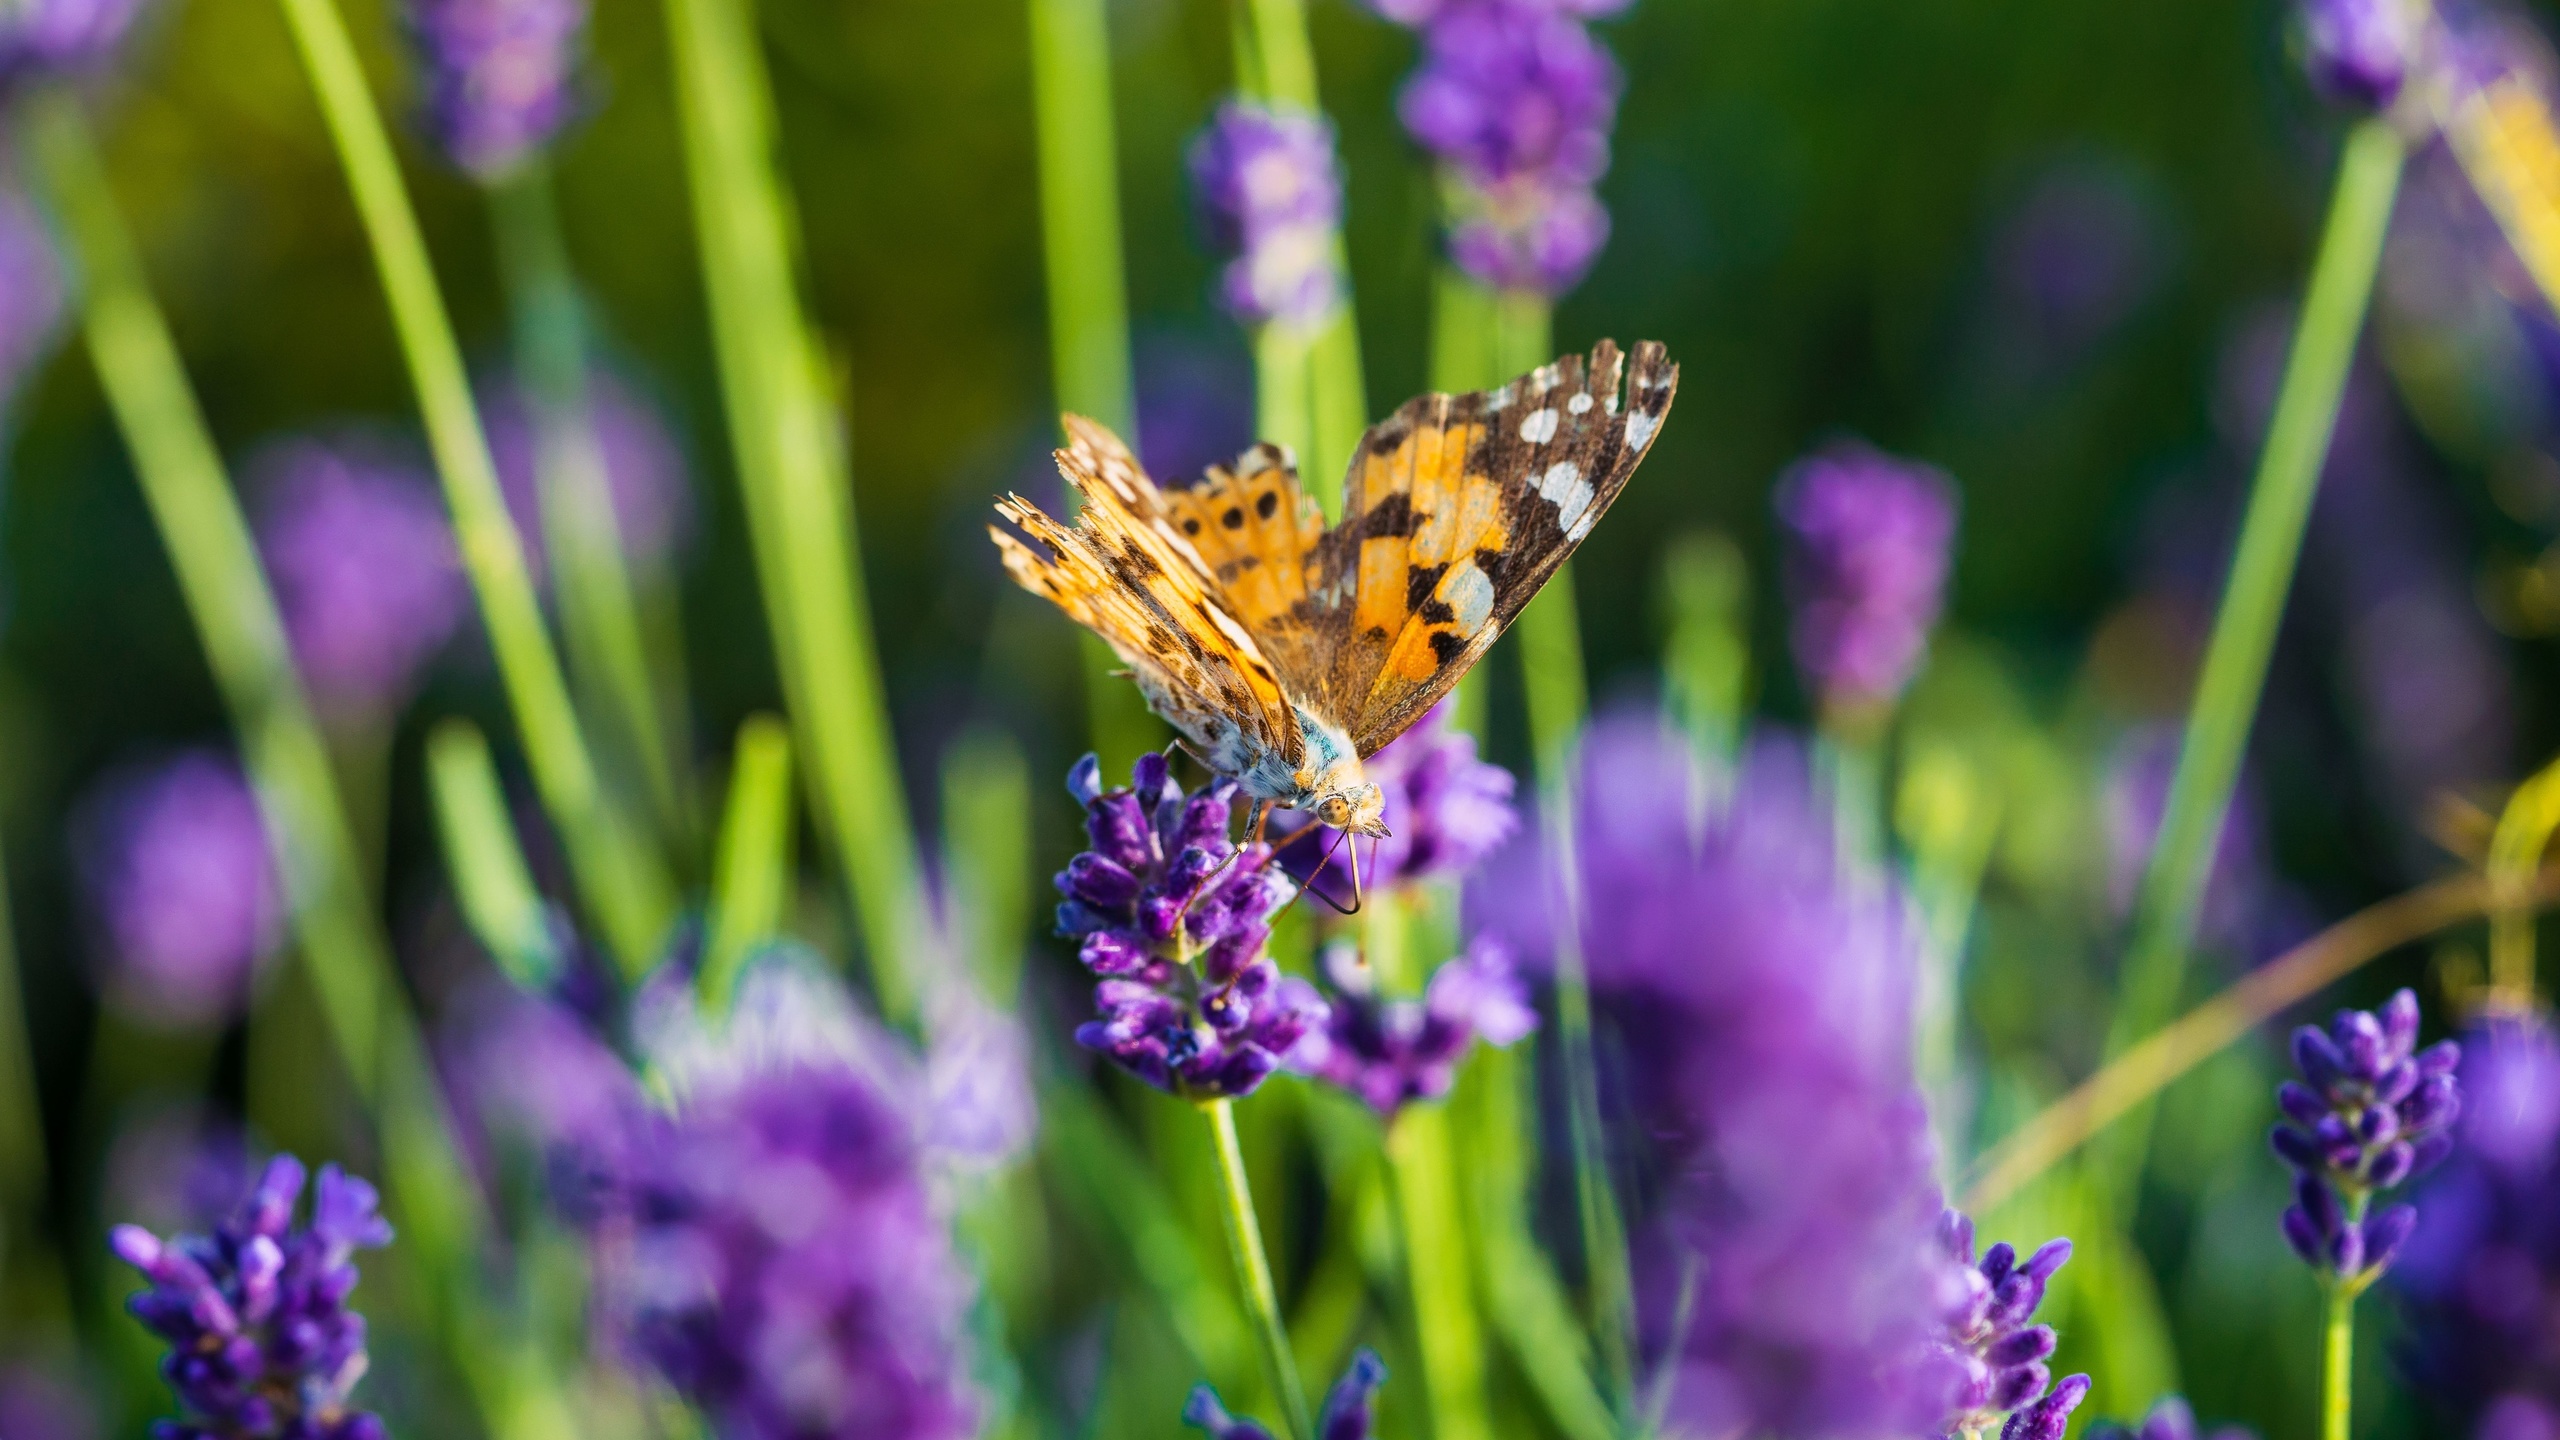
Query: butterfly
(1285, 652)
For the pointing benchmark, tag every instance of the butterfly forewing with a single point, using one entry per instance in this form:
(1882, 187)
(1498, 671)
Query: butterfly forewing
(1457, 509)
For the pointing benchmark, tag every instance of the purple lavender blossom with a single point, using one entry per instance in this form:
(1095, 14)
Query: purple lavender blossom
(262, 1341)
(1173, 919)
(60, 36)
(1869, 541)
(1530, 234)
(2480, 1284)
(786, 1269)
(30, 289)
(174, 862)
(2375, 1112)
(1391, 1052)
(644, 470)
(1510, 88)
(1998, 1354)
(1421, 12)
(1762, 1011)
(1349, 1411)
(363, 563)
(500, 76)
(2357, 52)
(1270, 191)
(2171, 1419)
(1445, 811)
(37, 1405)
(532, 1073)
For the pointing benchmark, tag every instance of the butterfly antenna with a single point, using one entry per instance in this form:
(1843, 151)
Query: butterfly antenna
(1308, 886)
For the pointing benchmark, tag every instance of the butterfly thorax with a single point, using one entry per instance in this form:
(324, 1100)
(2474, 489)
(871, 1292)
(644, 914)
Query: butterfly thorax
(1324, 779)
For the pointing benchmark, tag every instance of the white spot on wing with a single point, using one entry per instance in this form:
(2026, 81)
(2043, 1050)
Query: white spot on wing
(1559, 480)
(1540, 427)
(1497, 400)
(1579, 404)
(1640, 428)
(1542, 380)
(1468, 592)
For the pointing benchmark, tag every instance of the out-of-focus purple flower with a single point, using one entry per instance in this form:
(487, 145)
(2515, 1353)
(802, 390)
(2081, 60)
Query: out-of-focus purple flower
(36, 1405)
(30, 288)
(2076, 260)
(1529, 233)
(262, 1342)
(1998, 1353)
(1270, 192)
(783, 1265)
(2372, 1111)
(2171, 1419)
(1512, 87)
(1422, 12)
(2480, 1284)
(1390, 1052)
(1762, 1009)
(60, 36)
(1445, 811)
(2357, 52)
(644, 470)
(1349, 1411)
(500, 76)
(531, 1072)
(1868, 546)
(1173, 919)
(173, 860)
(365, 573)
(1195, 408)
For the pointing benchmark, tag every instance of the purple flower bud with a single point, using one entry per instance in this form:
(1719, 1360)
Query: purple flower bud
(2306, 1108)
(283, 1359)
(1529, 234)
(2357, 51)
(2050, 1417)
(2318, 1060)
(1869, 540)
(1270, 192)
(30, 286)
(1348, 1412)
(365, 572)
(1390, 1052)
(500, 76)
(1509, 88)
(174, 863)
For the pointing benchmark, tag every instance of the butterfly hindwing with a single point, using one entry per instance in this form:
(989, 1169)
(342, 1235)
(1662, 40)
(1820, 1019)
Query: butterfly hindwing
(1125, 572)
(1257, 530)
(1457, 509)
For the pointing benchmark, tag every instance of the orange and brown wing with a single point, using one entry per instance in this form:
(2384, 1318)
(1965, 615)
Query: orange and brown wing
(1124, 572)
(1257, 530)
(1456, 511)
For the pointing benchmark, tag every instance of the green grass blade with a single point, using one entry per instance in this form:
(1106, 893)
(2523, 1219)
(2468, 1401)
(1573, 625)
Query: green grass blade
(491, 881)
(751, 880)
(630, 898)
(795, 479)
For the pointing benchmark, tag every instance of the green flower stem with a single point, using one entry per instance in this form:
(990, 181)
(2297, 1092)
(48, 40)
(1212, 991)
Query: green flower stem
(631, 899)
(600, 616)
(1253, 1269)
(2337, 1362)
(492, 883)
(1088, 286)
(1435, 1250)
(751, 882)
(349, 961)
(796, 481)
(2244, 628)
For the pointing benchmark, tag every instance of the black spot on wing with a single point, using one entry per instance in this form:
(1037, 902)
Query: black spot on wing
(1268, 505)
(1419, 582)
(1234, 518)
(1446, 645)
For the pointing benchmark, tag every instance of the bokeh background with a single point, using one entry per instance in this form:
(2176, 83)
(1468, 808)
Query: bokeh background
(2048, 247)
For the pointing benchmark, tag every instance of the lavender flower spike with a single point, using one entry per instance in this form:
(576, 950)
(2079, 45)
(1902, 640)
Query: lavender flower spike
(1868, 549)
(1999, 1357)
(500, 76)
(1173, 919)
(1391, 1052)
(1271, 193)
(2357, 52)
(262, 1342)
(30, 289)
(60, 36)
(1349, 1412)
(365, 572)
(173, 861)
(2375, 1110)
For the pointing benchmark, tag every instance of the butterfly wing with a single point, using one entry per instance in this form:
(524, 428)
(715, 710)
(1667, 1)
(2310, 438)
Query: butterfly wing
(1125, 572)
(1258, 531)
(1456, 511)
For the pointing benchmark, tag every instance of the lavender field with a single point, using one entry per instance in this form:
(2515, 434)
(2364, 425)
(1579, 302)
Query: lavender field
(1278, 720)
